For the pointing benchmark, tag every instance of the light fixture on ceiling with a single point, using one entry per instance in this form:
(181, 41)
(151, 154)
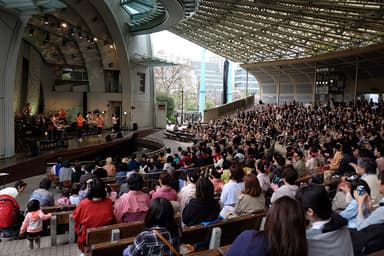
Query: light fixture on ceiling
(64, 25)
(46, 22)
(95, 39)
(80, 34)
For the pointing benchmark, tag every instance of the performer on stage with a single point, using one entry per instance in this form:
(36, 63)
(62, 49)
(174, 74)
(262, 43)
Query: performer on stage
(99, 124)
(115, 122)
(80, 123)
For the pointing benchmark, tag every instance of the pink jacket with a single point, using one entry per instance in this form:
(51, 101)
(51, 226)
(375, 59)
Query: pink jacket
(33, 221)
(168, 193)
(131, 202)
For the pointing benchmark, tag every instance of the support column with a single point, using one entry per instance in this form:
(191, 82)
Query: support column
(278, 87)
(356, 81)
(314, 86)
(202, 85)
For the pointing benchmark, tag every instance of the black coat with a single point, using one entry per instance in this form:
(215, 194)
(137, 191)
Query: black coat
(198, 210)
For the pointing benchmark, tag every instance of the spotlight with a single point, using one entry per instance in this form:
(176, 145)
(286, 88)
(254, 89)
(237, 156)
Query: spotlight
(95, 39)
(111, 46)
(46, 22)
(64, 25)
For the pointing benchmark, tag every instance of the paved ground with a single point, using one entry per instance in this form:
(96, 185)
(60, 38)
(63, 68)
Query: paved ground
(20, 247)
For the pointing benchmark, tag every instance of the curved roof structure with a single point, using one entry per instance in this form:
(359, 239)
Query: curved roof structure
(249, 31)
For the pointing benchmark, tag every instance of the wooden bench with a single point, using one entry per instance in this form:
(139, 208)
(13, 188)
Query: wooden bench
(212, 252)
(378, 253)
(99, 239)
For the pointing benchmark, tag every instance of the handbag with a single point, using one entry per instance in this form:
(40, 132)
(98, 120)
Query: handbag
(157, 233)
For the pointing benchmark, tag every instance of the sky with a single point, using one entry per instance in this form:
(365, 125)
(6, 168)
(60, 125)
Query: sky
(175, 45)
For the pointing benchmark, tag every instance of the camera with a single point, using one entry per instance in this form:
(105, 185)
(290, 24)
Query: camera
(361, 190)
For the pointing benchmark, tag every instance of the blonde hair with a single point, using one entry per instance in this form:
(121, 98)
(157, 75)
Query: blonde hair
(125, 160)
(108, 160)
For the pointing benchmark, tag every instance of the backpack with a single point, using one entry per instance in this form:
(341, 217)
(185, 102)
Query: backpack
(9, 211)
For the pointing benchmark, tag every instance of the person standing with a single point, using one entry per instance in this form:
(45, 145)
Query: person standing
(99, 124)
(115, 123)
(80, 123)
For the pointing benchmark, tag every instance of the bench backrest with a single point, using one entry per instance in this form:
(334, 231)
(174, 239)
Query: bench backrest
(58, 208)
(103, 234)
(230, 229)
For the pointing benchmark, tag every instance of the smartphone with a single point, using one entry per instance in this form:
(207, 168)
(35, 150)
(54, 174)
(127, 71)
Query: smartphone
(361, 190)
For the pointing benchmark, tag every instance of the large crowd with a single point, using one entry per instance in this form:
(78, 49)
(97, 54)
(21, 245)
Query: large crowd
(245, 163)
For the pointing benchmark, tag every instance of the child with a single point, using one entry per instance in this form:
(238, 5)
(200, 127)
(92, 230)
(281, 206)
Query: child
(33, 223)
(64, 200)
(74, 198)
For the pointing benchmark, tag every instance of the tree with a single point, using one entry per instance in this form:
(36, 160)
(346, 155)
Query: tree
(170, 104)
(169, 78)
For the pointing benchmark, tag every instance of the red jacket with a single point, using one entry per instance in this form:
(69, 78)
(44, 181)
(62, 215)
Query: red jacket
(91, 214)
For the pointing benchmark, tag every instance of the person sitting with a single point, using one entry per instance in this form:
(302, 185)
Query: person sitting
(350, 212)
(251, 199)
(232, 189)
(160, 226)
(188, 191)
(14, 191)
(261, 170)
(64, 199)
(65, 173)
(218, 183)
(43, 194)
(289, 176)
(94, 211)
(110, 167)
(75, 198)
(328, 233)
(134, 204)
(283, 235)
(202, 208)
(165, 191)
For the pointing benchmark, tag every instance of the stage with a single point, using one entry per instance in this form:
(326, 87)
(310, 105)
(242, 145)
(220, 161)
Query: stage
(22, 166)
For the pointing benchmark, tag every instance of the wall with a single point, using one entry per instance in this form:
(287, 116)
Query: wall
(11, 27)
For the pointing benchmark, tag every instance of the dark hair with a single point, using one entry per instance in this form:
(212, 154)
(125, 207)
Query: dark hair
(368, 164)
(262, 165)
(165, 178)
(45, 183)
(204, 189)
(33, 205)
(359, 182)
(97, 190)
(193, 175)
(20, 184)
(237, 173)
(315, 197)
(251, 185)
(279, 159)
(135, 181)
(290, 174)
(285, 226)
(215, 173)
(161, 214)
(75, 189)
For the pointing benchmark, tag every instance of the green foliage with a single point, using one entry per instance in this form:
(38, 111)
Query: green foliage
(209, 104)
(170, 104)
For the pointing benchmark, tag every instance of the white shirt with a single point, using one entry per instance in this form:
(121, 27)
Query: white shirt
(11, 191)
(231, 192)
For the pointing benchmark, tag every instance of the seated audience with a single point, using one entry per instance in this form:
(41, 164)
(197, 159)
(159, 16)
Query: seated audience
(159, 224)
(251, 199)
(328, 233)
(231, 190)
(64, 199)
(202, 208)
(42, 194)
(189, 190)
(261, 169)
(110, 167)
(350, 212)
(284, 233)
(74, 198)
(65, 173)
(165, 191)
(215, 178)
(94, 211)
(134, 204)
(289, 176)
